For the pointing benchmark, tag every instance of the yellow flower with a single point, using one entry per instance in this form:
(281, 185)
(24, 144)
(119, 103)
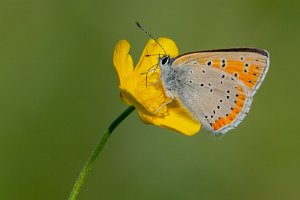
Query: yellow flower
(147, 94)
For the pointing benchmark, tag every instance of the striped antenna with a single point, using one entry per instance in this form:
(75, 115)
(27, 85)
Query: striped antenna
(142, 28)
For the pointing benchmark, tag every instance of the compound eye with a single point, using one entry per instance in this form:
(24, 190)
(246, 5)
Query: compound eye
(165, 60)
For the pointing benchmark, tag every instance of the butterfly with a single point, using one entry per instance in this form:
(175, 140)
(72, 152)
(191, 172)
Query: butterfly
(216, 86)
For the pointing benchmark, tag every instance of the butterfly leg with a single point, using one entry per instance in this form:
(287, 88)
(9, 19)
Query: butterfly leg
(150, 70)
(170, 101)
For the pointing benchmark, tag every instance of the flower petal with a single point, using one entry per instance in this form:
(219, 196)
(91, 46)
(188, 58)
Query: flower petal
(122, 61)
(178, 120)
(129, 99)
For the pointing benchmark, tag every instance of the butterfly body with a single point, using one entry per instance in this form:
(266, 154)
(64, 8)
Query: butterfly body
(216, 86)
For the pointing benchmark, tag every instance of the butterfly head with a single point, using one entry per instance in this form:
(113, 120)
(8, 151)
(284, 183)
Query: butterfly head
(165, 61)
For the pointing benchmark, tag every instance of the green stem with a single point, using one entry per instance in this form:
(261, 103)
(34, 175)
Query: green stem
(87, 167)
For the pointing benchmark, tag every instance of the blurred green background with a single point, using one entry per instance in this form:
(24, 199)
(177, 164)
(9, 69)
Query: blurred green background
(59, 91)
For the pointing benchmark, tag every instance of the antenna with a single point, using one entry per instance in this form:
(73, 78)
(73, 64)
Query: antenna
(142, 28)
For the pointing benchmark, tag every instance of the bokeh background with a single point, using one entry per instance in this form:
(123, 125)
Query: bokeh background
(59, 91)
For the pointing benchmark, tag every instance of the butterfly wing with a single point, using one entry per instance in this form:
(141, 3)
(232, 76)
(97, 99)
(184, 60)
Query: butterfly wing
(219, 96)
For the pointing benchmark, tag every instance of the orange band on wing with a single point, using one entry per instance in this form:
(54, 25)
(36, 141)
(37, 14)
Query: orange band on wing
(235, 111)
